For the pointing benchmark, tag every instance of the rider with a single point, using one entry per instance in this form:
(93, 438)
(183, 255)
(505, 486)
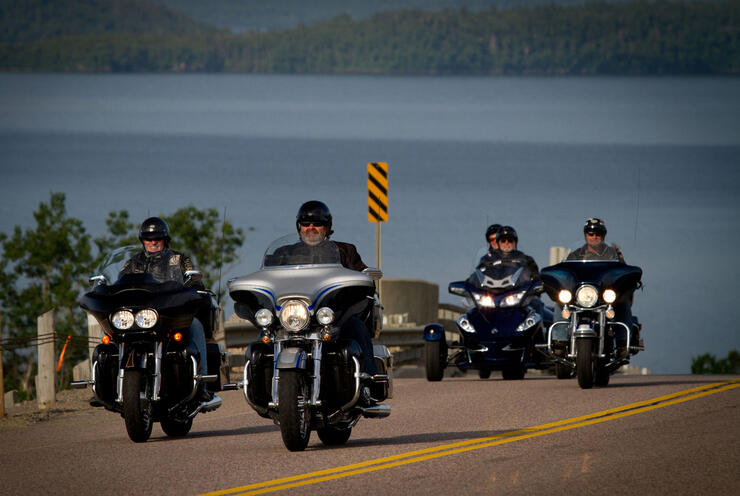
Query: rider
(508, 240)
(313, 223)
(594, 231)
(491, 233)
(165, 264)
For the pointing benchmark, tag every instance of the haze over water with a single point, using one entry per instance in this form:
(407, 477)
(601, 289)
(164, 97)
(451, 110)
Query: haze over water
(657, 158)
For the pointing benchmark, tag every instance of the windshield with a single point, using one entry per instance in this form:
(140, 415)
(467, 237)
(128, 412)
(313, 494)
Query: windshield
(598, 253)
(126, 264)
(290, 250)
(500, 276)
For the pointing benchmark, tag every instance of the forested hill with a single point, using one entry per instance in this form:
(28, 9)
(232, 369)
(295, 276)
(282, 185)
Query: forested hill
(634, 38)
(251, 15)
(30, 20)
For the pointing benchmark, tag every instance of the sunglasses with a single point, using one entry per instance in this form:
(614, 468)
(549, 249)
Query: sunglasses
(591, 233)
(308, 223)
(505, 240)
(492, 239)
(154, 240)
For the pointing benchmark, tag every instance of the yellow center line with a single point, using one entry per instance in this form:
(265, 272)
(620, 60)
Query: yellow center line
(478, 443)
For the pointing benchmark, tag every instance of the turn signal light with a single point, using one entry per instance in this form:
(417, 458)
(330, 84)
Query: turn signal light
(177, 336)
(565, 313)
(610, 312)
(105, 339)
(266, 339)
(326, 336)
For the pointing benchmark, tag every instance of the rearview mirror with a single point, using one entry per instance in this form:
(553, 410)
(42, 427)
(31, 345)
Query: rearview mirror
(458, 288)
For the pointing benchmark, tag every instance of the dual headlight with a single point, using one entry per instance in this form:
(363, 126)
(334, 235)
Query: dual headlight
(485, 300)
(294, 316)
(587, 296)
(125, 319)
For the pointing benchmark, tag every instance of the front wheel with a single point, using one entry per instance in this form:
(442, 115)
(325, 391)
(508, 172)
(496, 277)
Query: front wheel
(334, 436)
(585, 363)
(484, 373)
(293, 410)
(514, 373)
(137, 406)
(176, 428)
(562, 371)
(433, 355)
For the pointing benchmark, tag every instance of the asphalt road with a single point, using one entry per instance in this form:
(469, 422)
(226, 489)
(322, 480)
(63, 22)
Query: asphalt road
(669, 435)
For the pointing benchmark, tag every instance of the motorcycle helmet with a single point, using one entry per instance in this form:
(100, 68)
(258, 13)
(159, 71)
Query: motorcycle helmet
(316, 212)
(154, 228)
(507, 232)
(492, 229)
(595, 225)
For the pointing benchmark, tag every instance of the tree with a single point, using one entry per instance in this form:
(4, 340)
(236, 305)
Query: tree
(709, 364)
(43, 268)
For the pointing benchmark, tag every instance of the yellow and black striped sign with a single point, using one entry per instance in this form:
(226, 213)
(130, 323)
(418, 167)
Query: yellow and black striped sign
(377, 192)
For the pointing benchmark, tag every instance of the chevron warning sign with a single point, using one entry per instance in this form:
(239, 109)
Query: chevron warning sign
(377, 191)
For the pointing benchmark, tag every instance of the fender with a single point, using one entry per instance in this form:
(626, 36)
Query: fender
(434, 332)
(292, 358)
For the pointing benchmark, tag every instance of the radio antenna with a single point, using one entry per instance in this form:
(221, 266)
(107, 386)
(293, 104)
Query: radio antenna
(221, 258)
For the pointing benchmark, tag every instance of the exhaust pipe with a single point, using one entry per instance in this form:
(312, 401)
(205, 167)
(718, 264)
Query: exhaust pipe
(376, 411)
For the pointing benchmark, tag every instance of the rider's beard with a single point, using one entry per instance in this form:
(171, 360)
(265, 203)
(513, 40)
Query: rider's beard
(312, 236)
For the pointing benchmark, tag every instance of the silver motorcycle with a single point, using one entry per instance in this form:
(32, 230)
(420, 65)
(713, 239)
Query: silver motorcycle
(302, 373)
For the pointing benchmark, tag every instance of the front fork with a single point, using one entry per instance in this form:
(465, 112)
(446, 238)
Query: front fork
(316, 352)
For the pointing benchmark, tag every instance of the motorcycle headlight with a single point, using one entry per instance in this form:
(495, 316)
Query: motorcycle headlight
(146, 318)
(565, 296)
(122, 319)
(263, 317)
(484, 300)
(465, 324)
(587, 296)
(294, 315)
(325, 316)
(610, 296)
(513, 300)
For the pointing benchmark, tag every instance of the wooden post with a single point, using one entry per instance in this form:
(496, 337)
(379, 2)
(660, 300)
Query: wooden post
(45, 392)
(2, 378)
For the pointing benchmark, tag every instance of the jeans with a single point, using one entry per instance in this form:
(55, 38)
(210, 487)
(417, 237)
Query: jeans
(197, 344)
(355, 329)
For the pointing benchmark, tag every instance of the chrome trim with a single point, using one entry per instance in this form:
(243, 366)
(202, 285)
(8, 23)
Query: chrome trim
(157, 371)
(245, 382)
(317, 349)
(208, 406)
(275, 375)
(356, 396)
(119, 382)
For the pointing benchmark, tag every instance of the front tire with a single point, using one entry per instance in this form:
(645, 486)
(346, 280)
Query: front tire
(484, 373)
(137, 411)
(562, 371)
(434, 360)
(585, 363)
(293, 410)
(334, 436)
(514, 373)
(176, 428)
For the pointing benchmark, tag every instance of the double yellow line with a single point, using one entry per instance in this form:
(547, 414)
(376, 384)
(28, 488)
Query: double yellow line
(478, 443)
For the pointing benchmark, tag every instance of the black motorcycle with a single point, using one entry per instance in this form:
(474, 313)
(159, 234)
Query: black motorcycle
(301, 373)
(500, 329)
(588, 337)
(143, 369)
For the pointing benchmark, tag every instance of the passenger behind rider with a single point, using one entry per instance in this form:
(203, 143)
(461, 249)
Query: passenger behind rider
(165, 264)
(313, 223)
(594, 232)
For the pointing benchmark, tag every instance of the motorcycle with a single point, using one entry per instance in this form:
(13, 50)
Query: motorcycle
(143, 369)
(500, 329)
(584, 339)
(301, 373)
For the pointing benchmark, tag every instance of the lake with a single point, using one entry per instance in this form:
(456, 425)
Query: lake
(657, 158)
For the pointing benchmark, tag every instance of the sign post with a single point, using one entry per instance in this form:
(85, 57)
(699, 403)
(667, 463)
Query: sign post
(377, 199)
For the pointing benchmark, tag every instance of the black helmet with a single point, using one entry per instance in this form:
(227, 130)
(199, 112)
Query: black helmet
(595, 225)
(154, 228)
(492, 229)
(507, 232)
(314, 211)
